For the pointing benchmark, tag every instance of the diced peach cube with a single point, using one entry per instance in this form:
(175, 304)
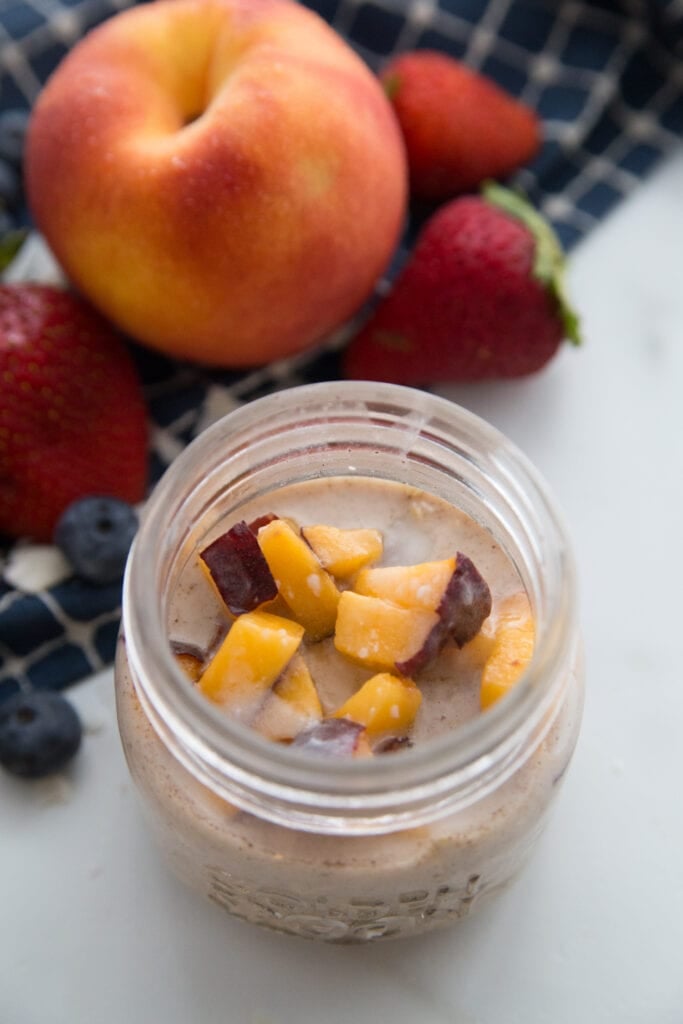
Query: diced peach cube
(308, 590)
(296, 686)
(253, 655)
(379, 634)
(343, 552)
(384, 704)
(410, 586)
(513, 648)
(453, 587)
(293, 704)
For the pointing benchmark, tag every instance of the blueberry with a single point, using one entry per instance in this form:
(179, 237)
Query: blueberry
(39, 733)
(13, 125)
(95, 535)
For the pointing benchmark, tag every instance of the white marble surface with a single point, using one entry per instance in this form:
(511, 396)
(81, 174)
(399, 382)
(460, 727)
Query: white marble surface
(93, 930)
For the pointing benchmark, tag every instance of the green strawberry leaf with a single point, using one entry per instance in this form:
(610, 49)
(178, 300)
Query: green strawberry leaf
(549, 261)
(10, 244)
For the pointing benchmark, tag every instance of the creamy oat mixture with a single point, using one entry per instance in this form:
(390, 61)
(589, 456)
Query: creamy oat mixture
(416, 527)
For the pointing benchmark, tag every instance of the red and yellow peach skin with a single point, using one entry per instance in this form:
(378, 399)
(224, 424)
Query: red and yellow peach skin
(224, 179)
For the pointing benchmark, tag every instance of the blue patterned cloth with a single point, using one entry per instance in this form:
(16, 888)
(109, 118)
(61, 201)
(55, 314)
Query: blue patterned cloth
(606, 76)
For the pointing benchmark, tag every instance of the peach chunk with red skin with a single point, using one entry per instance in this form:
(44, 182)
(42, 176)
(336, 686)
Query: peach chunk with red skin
(343, 552)
(452, 590)
(410, 586)
(511, 652)
(379, 634)
(306, 587)
(236, 566)
(453, 587)
(253, 655)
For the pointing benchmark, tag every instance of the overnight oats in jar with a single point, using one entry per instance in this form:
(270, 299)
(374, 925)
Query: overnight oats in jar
(349, 674)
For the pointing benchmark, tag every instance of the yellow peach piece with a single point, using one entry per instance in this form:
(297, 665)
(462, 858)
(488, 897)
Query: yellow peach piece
(296, 686)
(308, 590)
(343, 552)
(512, 650)
(410, 586)
(379, 634)
(293, 705)
(277, 607)
(477, 650)
(384, 704)
(253, 655)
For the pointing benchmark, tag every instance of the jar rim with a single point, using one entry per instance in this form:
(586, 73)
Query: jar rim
(257, 772)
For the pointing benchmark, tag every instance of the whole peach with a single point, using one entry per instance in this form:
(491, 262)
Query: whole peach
(224, 179)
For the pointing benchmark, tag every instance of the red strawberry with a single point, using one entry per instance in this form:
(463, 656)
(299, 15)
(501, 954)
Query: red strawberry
(459, 127)
(72, 416)
(480, 297)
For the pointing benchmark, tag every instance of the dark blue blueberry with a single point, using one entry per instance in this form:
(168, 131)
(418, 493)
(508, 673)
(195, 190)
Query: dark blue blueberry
(39, 733)
(95, 534)
(10, 184)
(13, 125)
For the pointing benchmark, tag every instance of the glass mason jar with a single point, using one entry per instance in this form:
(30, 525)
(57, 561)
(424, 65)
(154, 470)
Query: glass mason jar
(348, 850)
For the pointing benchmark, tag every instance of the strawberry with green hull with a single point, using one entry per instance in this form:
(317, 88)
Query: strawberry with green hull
(459, 127)
(481, 297)
(73, 421)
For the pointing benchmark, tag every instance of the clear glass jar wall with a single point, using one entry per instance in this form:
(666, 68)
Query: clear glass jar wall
(348, 850)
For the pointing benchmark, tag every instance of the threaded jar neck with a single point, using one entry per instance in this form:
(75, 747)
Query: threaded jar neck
(330, 430)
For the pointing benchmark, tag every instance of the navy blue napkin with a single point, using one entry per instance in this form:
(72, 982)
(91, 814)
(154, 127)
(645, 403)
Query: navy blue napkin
(606, 76)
